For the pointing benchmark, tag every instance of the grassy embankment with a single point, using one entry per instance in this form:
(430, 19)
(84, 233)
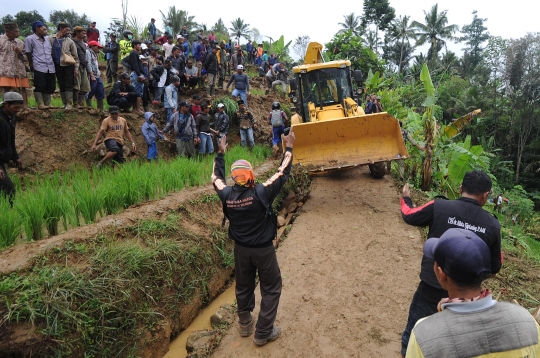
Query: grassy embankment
(102, 297)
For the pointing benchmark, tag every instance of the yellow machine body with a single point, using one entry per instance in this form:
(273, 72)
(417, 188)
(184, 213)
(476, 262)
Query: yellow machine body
(332, 132)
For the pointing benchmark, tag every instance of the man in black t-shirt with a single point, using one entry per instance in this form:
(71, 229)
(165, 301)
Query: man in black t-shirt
(440, 215)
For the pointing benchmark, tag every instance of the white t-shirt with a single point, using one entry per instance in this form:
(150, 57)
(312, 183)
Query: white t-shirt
(193, 71)
(162, 79)
(168, 49)
(499, 200)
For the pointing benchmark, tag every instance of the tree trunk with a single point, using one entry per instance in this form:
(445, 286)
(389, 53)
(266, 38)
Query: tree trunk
(429, 131)
(401, 55)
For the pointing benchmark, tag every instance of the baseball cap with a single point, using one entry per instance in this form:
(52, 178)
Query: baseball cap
(144, 47)
(183, 104)
(114, 109)
(240, 101)
(196, 96)
(142, 57)
(94, 43)
(179, 37)
(12, 97)
(240, 67)
(221, 105)
(461, 254)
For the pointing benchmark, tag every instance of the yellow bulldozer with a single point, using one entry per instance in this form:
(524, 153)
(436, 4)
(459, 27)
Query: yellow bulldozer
(332, 130)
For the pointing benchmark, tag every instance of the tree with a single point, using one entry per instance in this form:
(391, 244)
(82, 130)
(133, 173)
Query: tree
(435, 31)
(24, 20)
(378, 13)
(398, 53)
(474, 35)
(178, 19)
(402, 30)
(69, 16)
(124, 13)
(300, 46)
(256, 35)
(115, 27)
(372, 41)
(347, 46)
(219, 26)
(350, 22)
(239, 29)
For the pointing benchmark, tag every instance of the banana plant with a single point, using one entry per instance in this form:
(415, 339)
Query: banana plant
(430, 127)
(375, 81)
(278, 47)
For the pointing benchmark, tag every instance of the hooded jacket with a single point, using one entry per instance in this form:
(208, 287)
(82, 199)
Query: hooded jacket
(221, 123)
(149, 130)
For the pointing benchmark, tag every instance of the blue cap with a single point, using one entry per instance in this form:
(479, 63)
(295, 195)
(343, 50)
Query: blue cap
(461, 254)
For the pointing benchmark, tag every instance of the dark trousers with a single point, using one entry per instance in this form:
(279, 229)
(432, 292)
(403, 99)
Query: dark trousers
(424, 304)
(124, 102)
(6, 185)
(65, 77)
(247, 261)
(112, 71)
(44, 82)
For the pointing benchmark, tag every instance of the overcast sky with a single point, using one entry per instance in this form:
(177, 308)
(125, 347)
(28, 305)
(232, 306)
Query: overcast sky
(318, 19)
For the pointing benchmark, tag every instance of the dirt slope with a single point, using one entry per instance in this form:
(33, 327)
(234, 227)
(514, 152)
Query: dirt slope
(350, 267)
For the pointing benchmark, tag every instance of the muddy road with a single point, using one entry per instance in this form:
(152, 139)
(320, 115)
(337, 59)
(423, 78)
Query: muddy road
(350, 267)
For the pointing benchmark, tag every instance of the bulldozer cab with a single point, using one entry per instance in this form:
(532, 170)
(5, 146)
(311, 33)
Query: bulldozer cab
(332, 131)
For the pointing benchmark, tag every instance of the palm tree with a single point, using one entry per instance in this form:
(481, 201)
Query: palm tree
(372, 41)
(435, 30)
(403, 30)
(179, 18)
(239, 29)
(350, 23)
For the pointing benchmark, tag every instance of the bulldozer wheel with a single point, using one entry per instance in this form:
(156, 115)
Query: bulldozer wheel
(377, 170)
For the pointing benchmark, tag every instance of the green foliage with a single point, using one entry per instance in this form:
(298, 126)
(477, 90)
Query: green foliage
(378, 13)
(239, 29)
(347, 46)
(179, 18)
(24, 20)
(231, 107)
(10, 223)
(69, 16)
(278, 47)
(518, 204)
(374, 82)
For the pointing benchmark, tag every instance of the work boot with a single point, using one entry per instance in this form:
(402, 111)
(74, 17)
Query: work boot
(69, 100)
(245, 323)
(276, 332)
(82, 98)
(63, 96)
(39, 99)
(146, 109)
(99, 104)
(47, 100)
(211, 90)
(275, 151)
(89, 102)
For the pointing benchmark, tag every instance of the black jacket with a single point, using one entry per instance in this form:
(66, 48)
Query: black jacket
(156, 75)
(221, 123)
(249, 225)
(202, 122)
(463, 213)
(211, 63)
(135, 63)
(119, 87)
(7, 137)
(112, 48)
(178, 63)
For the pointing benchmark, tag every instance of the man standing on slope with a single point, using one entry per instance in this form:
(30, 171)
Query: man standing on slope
(440, 215)
(253, 226)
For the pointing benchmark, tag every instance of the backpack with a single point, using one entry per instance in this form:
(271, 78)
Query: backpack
(259, 195)
(276, 119)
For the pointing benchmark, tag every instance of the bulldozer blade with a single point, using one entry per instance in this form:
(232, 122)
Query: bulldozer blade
(342, 143)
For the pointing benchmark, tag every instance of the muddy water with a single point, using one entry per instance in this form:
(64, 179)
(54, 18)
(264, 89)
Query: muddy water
(177, 348)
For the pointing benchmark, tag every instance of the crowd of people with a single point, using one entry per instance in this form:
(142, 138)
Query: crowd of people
(69, 59)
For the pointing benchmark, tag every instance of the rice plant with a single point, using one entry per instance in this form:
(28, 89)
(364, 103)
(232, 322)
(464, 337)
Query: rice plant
(10, 223)
(88, 202)
(30, 206)
(55, 204)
